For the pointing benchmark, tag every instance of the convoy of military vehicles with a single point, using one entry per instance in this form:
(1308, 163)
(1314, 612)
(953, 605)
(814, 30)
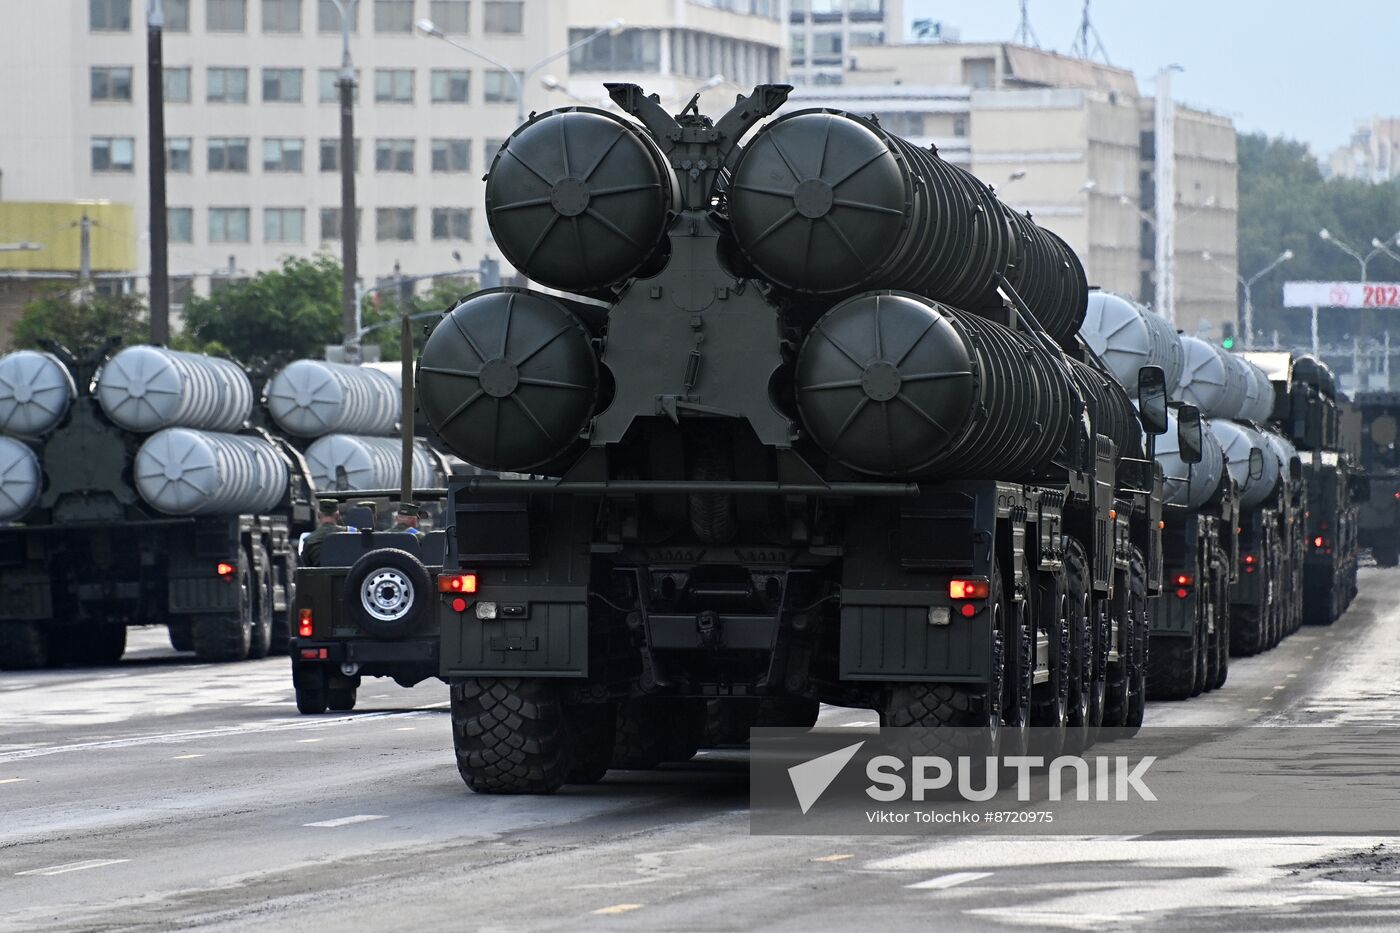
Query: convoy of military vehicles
(807, 416)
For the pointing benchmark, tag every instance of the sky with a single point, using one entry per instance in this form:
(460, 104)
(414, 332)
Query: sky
(1298, 68)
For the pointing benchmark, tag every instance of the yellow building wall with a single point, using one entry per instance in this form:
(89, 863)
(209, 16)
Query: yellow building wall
(56, 226)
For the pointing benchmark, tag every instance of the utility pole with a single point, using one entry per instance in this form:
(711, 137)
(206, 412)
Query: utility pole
(349, 260)
(1165, 160)
(85, 250)
(155, 110)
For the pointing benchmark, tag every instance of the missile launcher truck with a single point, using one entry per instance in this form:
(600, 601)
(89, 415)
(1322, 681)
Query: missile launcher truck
(134, 493)
(1379, 520)
(818, 426)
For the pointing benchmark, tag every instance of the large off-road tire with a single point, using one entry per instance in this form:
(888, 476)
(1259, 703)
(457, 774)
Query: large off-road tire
(1221, 668)
(1118, 686)
(958, 719)
(1080, 621)
(641, 739)
(510, 735)
(1050, 709)
(181, 636)
(1171, 667)
(388, 593)
(1140, 611)
(591, 728)
(94, 644)
(260, 592)
(1018, 679)
(341, 696)
(228, 637)
(311, 688)
(25, 646)
(1247, 631)
(787, 713)
(283, 574)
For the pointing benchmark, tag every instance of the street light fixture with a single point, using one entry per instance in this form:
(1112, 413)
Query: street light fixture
(349, 229)
(23, 247)
(429, 28)
(1248, 284)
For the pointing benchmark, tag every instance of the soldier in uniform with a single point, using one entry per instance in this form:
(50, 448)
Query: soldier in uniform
(408, 518)
(330, 524)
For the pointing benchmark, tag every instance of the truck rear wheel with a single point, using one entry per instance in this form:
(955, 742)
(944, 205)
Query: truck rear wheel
(1118, 688)
(1171, 667)
(310, 684)
(591, 730)
(260, 607)
(341, 695)
(95, 644)
(228, 637)
(1050, 712)
(1139, 610)
(181, 637)
(1247, 636)
(1222, 629)
(1079, 620)
(24, 646)
(510, 735)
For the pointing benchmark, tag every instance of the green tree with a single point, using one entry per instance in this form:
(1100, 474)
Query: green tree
(385, 307)
(276, 316)
(75, 320)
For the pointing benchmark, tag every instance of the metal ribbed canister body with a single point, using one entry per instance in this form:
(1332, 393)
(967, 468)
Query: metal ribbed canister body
(1128, 336)
(36, 390)
(144, 389)
(1111, 412)
(1189, 485)
(368, 463)
(311, 398)
(897, 385)
(181, 471)
(20, 479)
(1259, 395)
(1212, 380)
(824, 202)
(1236, 441)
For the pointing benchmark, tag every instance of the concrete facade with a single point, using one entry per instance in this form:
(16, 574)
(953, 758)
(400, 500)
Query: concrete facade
(249, 87)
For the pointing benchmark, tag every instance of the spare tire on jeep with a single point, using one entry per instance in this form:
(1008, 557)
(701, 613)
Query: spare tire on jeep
(388, 593)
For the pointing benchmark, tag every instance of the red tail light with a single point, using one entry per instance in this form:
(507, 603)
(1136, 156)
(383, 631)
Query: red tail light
(1182, 593)
(456, 583)
(1319, 541)
(305, 625)
(968, 589)
(968, 610)
(225, 570)
(1185, 579)
(1248, 559)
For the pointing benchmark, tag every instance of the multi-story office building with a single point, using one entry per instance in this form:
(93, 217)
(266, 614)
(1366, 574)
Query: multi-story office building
(1373, 154)
(252, 122)
(824, 35)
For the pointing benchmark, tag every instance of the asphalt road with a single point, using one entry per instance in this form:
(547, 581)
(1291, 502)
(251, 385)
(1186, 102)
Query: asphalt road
(163, 793)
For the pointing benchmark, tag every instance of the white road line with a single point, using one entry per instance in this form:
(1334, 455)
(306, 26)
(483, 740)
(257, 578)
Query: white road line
(12, 780)
(949, 881)
(73, 866)
(615, 909)
(345, 821)
(185, 757)
(173, 737)
(860, 723)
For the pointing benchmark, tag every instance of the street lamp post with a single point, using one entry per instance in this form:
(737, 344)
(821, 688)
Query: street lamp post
(429, 28)
(1248, 284)
(159, 285)
(349, 230)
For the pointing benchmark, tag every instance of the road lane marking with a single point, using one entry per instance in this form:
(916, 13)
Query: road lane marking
(73, 866)
(859, 723)
(346, 821)
(832, 858)
(163, 738)
(304, 741)
(949, 881)
(615, 909)
(406, 729)
(185, 757)
(12, 780)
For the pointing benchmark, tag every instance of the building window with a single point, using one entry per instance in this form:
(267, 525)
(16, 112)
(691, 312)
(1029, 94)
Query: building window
(330, 223)
(797, 48)
(393, 16)
(452, 155)
(393, 155)
(393, 85)
(228, 154)
(181, 291)
(109, 14)
(179, 156)
(867, 39)
(281, 15)
(451, 86)
(228, 86)
(451, 16)
(177, 15)
(284, 225)
(110, 83)
(179, 224)
(503, 16)
(629, 50)
(330, 155)
(500, 89)
(282, 85)
(113, 154)
(959, 126)
(328, 17)
(226, 15)
(979, 72)
(177, 85)
(394, 224)
(826, 48)
(452, 223)
(282, 155)
(329, 90)
(228, 224)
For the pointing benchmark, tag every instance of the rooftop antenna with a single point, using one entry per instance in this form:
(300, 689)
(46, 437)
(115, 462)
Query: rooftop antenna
(1087, 42)
(1025, 35)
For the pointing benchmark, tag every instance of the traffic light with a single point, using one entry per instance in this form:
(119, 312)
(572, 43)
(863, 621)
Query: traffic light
(1227, 336)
